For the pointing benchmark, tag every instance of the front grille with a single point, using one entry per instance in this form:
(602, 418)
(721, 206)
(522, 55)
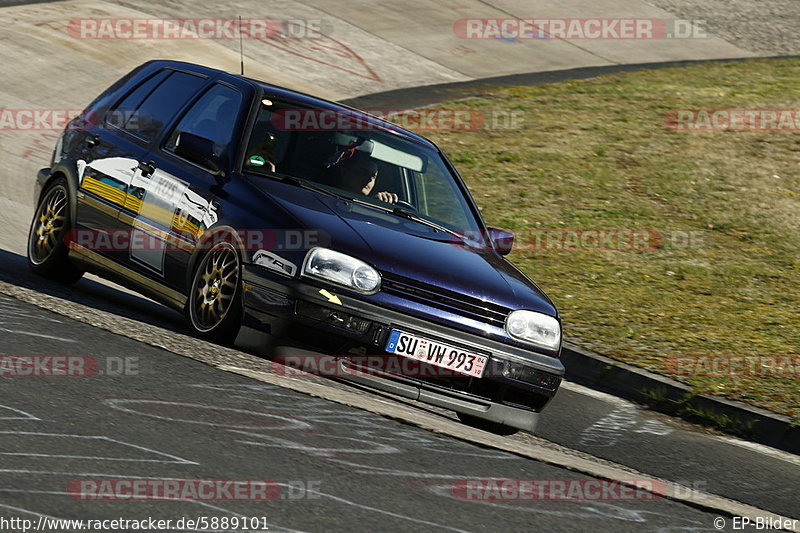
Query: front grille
(444, 299)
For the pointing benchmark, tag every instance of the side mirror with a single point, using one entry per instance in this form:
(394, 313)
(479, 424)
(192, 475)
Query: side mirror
(502, 240)
(201, 151)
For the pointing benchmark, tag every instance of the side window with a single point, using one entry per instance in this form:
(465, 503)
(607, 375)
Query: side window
(213, 117)
(125, 108)
(161, 104)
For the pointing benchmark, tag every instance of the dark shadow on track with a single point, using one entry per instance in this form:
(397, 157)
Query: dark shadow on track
(14, 270)
(111, 299)
(9, 3)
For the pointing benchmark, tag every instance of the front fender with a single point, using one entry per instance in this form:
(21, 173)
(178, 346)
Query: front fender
(212, 236)
(68, 168)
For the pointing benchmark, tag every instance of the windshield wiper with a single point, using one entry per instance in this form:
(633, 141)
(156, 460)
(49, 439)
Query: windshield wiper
(405, 213)
(304, 184)
(408, 215)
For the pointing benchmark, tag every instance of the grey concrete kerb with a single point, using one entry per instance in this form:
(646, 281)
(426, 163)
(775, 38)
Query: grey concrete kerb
(606, 374)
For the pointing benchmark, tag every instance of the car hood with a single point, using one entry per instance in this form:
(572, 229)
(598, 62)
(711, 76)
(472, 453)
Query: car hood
(401, 247)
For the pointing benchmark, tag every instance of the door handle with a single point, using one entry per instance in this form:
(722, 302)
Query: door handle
(147, 168)
(92, 141)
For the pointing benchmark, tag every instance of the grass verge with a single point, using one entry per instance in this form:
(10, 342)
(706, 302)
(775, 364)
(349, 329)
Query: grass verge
(723, 276)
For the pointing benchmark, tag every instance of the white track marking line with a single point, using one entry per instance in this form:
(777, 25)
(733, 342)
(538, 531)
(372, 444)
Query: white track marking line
(174, 459)
(20, 332)
(27, 416)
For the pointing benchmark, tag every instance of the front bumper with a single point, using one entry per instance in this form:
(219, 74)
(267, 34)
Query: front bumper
(297, 313)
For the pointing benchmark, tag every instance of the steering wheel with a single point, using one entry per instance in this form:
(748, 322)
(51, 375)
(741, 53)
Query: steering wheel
(403, 203)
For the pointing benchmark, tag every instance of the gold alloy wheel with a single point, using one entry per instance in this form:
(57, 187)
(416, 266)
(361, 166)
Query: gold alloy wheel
(49, 225)
(215, 286)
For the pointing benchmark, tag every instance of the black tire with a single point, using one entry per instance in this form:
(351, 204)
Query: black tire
(486, 425)
(48, 251)
(214, 306)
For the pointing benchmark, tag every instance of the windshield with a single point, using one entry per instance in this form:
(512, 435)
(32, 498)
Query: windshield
(350, 158)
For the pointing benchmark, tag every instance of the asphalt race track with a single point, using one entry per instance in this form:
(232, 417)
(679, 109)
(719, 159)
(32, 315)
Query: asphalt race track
(197, 422)
(158, 405)
(337, 467)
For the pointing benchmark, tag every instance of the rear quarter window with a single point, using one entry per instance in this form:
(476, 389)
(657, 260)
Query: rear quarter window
(146, 110)
(130, 103)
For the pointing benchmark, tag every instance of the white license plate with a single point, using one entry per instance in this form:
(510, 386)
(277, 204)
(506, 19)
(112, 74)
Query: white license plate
(436, 353)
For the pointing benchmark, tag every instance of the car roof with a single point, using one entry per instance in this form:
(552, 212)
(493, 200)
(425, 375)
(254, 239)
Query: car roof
(283, 93)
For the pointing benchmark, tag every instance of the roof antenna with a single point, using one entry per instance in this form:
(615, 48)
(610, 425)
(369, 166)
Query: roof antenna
(241, 49)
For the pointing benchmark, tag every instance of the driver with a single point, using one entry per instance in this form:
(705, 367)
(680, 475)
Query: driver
(358, 173)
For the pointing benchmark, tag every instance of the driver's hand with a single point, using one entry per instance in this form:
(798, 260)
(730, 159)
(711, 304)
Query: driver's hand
(388, 197)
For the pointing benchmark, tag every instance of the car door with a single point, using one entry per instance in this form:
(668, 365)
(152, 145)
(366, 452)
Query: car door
(179, 205)
(107, 164)
(146, 122)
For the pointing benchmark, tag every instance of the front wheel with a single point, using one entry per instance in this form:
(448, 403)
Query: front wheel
(47, 247)
(214, 307)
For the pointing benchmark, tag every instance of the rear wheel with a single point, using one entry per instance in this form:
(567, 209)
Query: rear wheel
(47, 247)
(486, 425)
(215, 301)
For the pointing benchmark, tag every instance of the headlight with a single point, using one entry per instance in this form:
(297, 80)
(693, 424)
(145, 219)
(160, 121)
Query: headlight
(341, 269)
(535, 328)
